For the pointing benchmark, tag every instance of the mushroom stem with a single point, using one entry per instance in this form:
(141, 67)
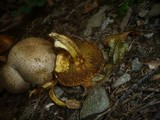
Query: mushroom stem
(71, 104)
(52, 95)
(55, 99)
(66, 43)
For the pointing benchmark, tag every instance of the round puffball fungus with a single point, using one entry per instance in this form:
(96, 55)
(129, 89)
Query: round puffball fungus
(31, 61)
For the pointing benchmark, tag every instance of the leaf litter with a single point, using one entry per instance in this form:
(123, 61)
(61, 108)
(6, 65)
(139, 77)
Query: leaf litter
(136, 99)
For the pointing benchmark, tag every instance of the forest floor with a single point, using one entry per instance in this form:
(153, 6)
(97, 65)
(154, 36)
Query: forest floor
(137, 98)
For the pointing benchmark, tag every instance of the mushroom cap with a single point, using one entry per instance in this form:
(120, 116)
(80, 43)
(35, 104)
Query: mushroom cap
(80, 72)
(31, 61)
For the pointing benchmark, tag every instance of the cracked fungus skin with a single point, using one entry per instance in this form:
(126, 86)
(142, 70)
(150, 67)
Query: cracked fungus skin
(81, 73)
(31, 61)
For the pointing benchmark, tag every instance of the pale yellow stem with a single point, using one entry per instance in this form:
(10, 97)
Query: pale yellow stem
(52, 95)
(55, 99)
(48, 84)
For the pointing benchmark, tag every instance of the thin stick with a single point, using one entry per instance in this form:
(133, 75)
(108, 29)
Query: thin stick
(131, 90)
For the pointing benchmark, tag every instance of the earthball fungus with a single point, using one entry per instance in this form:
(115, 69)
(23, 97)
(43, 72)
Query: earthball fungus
(31, 61)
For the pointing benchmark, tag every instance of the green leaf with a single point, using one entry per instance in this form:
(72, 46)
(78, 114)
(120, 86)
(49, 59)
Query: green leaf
(108, 68)
(112, 45)
(124, 7)
(119, 52)
(123, 50)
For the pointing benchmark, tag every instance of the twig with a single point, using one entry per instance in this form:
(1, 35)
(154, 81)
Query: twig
(136, 85)
(131, 89)
(154, 102)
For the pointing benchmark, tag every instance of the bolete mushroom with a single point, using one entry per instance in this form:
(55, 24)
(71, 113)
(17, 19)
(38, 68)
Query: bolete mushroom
(81, 61)
(77, 65)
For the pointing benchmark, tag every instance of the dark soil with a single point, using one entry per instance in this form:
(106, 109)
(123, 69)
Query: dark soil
(67, 17)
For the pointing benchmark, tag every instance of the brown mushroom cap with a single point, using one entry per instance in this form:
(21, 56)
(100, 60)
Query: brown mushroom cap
(84, 68)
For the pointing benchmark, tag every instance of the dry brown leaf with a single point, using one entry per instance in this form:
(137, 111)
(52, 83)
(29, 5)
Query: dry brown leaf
(73, 104)
(140, 22)
(5, 43)
(3, 58)
(126, 19)
(50, 2)
(156, 77)
(116, 37)
(90, 6)
(153, 64)
(155, 10)
(117, 46)
(11, 23)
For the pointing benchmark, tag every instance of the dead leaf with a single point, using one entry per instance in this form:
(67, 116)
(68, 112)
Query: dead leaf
(119, 52)
(98, 78)
(140, 23)
(117, 46)
(90, 6)
(155, 10)
(106, 22)
(143, 12)
(122, 80)
(108, 68)
(126, 19)
(116, 37)
(50, 2)
(5, 43)
(48, 106)
(11, 23)
(156, 77)
(73, 104)
(95, 21)
(153, 64)
(3, 58)
(136, 65)
(149, 35)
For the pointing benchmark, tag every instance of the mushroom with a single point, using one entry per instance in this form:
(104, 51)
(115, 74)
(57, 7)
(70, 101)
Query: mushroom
(77, 63)
(81, 61)
(31, 61)
(34, 61)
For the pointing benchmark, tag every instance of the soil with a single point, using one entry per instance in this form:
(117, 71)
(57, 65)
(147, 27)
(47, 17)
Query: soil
(141, 98)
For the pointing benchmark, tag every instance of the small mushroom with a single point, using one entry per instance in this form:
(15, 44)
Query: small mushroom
(31, 61)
